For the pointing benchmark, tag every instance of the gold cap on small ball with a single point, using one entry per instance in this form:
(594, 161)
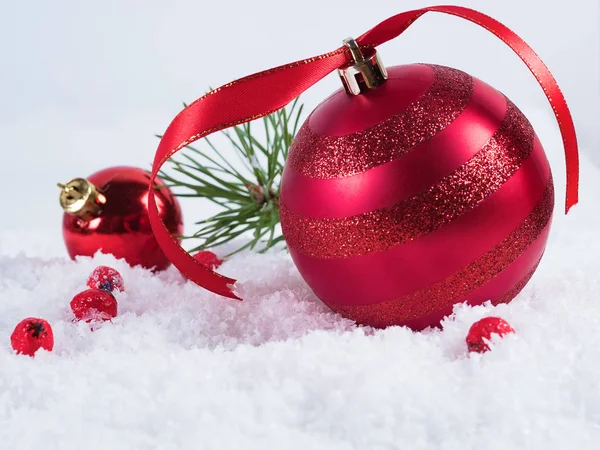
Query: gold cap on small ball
(81, 198)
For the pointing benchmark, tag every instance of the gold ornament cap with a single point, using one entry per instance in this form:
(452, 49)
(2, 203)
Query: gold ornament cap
(365, 73)
(81, 198)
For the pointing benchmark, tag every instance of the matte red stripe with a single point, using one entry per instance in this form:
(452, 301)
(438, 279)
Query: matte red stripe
(509, 277)
(514, 291)
(342, 114)
(327, 156)
(392, 182)
(433, 208)
(478, 282)
(414, 264)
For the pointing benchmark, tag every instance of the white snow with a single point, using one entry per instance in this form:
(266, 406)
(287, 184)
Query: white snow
(182, 368)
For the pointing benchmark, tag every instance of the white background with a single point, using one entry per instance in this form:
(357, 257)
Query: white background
(86, 85)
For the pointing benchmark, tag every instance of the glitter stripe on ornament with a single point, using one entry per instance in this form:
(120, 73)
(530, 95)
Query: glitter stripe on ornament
(340, 156)
(454, 195)
(410, 266)
(341, 114)
(511, 276)
(386, 185)
(479, 297)
(415, 310)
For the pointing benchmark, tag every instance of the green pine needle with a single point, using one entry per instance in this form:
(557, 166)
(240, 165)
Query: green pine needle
(249, 198)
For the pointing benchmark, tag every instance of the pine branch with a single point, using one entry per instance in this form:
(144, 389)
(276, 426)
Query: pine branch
(248, 196)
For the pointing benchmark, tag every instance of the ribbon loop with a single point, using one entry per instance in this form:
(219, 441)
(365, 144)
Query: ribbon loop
(263, 93)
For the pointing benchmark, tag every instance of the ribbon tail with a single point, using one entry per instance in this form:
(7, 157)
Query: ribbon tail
(243, 100)
(186, 264)
(396, 25)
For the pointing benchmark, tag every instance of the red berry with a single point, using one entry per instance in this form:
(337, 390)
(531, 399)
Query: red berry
(208, 259)
(483, 329)
(106, 278)
(32, 334)
(94, 304)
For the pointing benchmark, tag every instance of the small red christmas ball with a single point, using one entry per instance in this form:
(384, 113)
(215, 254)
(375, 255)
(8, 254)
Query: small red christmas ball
(429, 190)
(208, 259)
(94, 305)
(482, 330)
(107, 279)
(108, 211)
(30, 335)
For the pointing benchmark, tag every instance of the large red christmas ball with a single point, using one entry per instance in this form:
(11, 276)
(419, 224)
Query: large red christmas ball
(120, 225)
(427, 191)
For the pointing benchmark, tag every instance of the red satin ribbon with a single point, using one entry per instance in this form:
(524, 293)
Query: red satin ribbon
(263, 93)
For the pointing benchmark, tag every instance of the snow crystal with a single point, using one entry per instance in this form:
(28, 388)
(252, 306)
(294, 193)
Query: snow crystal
(182, 368)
